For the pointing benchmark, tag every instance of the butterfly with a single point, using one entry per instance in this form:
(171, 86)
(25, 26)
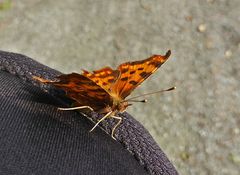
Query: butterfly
(105, 90)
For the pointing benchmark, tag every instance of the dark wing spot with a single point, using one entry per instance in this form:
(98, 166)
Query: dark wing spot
(97, 81)
(155, 64)
(111, 80)
(124, 71)
(102, 76)
(133, 82)
(104, 83)
(132, 72)
(140, 68)
(91, 76)
(144, 74)
(124, 79)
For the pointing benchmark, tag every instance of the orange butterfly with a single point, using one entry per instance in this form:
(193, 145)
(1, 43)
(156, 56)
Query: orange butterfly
(105, 90)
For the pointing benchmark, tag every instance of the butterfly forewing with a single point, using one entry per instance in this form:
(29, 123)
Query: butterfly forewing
(132, 74)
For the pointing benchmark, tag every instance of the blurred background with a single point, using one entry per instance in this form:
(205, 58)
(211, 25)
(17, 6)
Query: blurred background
(198, 124)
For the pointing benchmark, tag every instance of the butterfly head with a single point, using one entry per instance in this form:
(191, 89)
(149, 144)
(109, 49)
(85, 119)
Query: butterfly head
(120, 106)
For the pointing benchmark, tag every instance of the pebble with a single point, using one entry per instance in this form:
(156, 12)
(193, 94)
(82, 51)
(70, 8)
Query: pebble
(228, 53)
(202, 28)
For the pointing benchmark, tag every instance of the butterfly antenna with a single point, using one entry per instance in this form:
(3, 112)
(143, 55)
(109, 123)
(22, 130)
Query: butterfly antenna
(155, 92)
(142, 101)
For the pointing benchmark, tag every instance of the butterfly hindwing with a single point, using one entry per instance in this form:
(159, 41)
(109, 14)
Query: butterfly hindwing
(83, 90)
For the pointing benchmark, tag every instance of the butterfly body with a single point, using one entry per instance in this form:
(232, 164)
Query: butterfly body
(105, 90)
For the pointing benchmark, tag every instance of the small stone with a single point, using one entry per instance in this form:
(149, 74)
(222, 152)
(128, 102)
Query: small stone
(184, 156)
(202, 28)
(189, 18)
(228, 53)
(236, 131)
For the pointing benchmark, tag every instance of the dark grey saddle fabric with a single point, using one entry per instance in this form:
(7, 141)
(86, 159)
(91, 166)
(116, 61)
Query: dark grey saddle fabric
(36, 138)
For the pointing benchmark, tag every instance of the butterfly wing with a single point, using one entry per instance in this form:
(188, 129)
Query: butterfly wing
(132, 74)
(104, 77)
(83, 90)
(98, 89)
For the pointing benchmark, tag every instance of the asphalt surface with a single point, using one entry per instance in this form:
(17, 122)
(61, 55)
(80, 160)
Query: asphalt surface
(198, 124)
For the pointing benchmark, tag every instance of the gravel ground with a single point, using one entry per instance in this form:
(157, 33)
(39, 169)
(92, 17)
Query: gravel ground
(197, 125)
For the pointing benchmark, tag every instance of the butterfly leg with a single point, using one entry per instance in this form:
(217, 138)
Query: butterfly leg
(118, 123)
(103, 118)
(75, 108)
